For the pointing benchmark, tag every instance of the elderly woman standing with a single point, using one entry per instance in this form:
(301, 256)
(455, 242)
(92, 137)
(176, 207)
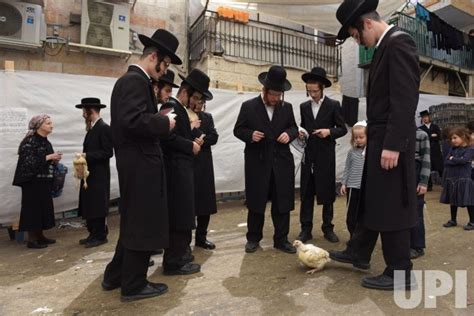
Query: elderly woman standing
(34, 174)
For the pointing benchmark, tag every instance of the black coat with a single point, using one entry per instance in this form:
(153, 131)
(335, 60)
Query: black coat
(436, 157)
(179, 161)
(320, 153)
(136, 127)
(204, 186)
(268, 155)
(98, 147)
(389, 197)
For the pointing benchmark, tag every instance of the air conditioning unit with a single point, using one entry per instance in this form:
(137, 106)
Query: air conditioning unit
(21, 24)
(105, 24)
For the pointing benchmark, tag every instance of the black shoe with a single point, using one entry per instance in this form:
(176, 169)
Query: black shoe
(469, 226)
(150, 290)
(344, 257)
(416, 253)
(157, 252)
(109, 286)
(83, 241)
(95, 242)
(450, 223)
(35, 245)
(285, 247)
(188, 258)
(331, 236)
(11, 233)
(46, 241)
(206, 244)
(188, 268)
(251, 246)
(387, 283)
(304, 236)
(151, 263)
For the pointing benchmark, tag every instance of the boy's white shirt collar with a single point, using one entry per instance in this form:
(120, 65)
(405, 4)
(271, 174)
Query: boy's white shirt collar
(137, 65)
(383, 35)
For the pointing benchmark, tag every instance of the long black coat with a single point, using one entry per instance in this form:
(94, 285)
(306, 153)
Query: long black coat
(436, 157)
(179, 161)
(268, 155)
(136, 127)
(389, 197)
(320, 153)
(98, 147)
(204, 186)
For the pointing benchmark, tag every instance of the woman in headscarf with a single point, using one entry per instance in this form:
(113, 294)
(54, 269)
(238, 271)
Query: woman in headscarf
(34, 174)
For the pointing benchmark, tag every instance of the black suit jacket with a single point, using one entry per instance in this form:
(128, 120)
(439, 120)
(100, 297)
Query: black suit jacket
(267, 156)
(389, 197)
(320, 155)
(136, 130)
(98, 147)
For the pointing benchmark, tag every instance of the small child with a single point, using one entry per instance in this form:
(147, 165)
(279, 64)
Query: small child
(352, 176)
(458, 188)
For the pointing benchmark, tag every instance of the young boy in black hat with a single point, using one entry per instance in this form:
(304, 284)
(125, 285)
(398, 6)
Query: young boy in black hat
(321, 118)
(98, 149)
(388, 192)
(267, 125)
(434, 132)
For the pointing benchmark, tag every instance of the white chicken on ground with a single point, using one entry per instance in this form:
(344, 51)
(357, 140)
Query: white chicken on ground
(311, 256)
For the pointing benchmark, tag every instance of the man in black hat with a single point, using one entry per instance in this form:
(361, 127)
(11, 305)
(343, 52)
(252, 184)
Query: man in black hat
(98, 149)
(179, 149)
(267, 126)
(388, 192)
(434, 132)
(136, 129)
(163, 88)
(321, 118)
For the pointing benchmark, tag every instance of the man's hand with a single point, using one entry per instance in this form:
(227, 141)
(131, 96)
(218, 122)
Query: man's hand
(283, 138)
(343, 190)
(257, 136)
(389, 159)
(172, 122)
(200, 139)
(196, 148)
(301, 135)
(56, 157)
(421, 189)
(322, 133)
(195, 124)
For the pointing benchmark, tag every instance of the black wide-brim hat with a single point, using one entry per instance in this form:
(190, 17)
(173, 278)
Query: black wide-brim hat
(200, 82)
(424, 113)
(349, 11)
(317, 74)
(275, 79)
(90, 103)
(166, 43)
(168, 79)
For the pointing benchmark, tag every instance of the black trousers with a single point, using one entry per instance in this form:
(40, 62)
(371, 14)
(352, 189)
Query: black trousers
(307, 210)
(97, 228)
(281, 221)
(173, 258)
(201, 227)
(417, 233)
(353, 196)
(128, 268)
(395, 247)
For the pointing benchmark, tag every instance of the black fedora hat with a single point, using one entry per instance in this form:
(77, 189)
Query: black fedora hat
(199, 81)
(275, 79)
(349, 11)
(424, 113)
(166, 42)
(317, 74)
(168, 79)
(90, 103)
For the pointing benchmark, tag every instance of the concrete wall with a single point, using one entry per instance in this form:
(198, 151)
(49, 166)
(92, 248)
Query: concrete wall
(436, 86)
(147, 16)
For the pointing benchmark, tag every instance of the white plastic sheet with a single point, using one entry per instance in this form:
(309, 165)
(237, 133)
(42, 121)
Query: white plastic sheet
(57, 94)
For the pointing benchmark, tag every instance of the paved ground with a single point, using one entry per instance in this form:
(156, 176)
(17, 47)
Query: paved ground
(65, 278)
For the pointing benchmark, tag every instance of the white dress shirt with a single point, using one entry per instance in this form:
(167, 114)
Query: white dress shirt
(269, 109)
(315, 106)
(383, 35)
